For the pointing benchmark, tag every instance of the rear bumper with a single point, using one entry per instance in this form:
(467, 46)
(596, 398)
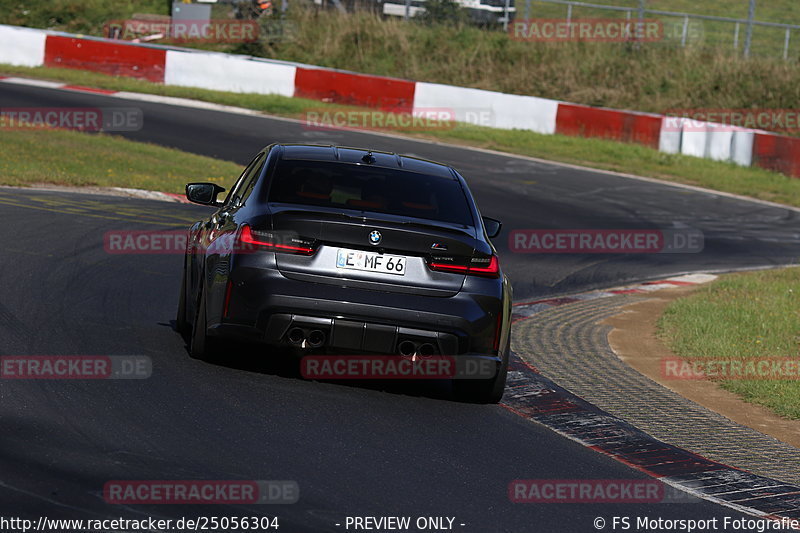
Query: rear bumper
(265, 306)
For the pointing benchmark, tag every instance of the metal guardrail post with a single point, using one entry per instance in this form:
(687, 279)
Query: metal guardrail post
(505, 16)
(736, 37)
(408, 10)
(685, 31)
(786, 43)
(527, 9)
(569, 14)
(641, 22)
(751, 14)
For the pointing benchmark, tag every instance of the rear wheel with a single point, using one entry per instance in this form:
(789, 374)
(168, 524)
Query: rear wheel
(483, 390)
(200, 345)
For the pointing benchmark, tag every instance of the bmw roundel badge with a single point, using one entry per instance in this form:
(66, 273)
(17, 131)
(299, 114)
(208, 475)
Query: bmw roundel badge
(375, 237)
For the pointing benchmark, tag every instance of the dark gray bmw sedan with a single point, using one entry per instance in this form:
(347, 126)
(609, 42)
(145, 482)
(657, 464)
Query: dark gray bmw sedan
(344, 250)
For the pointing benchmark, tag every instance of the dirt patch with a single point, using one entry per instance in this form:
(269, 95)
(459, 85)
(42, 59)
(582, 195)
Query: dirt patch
(634, 341)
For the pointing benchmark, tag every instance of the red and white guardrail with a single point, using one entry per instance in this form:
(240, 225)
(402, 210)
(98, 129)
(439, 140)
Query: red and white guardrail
(227, 72)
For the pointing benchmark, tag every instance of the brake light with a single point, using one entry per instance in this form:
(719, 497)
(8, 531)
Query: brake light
(491, 270)
(446, 267)
(247, 237)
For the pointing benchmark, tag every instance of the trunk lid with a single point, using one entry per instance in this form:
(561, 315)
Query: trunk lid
(336, 232)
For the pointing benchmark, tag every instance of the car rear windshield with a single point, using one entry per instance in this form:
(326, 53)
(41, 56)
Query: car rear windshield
(364, 188)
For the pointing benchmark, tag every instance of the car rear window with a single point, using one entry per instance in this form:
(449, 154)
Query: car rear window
(364, 188)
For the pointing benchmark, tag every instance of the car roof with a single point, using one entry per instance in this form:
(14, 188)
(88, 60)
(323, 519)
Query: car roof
(345, 154)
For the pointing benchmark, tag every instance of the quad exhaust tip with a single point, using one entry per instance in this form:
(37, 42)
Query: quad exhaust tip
(408, 348)
(316, 338)
(426, 349)
(296, 336)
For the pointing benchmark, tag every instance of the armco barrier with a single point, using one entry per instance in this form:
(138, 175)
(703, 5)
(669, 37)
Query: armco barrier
(225, 72)
(504, 111)
(22, 47)
(625, 126)
(144, 62)
(777, 152)
(354, 89)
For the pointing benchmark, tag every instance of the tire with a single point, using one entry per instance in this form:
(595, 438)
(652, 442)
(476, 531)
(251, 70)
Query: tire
(483, 390)
(200, 345)
(182, 324)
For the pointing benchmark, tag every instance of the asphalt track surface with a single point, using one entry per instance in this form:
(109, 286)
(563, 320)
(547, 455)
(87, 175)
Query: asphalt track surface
(354, 449)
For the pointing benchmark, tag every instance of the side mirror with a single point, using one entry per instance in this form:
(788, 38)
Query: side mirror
(204, 193)
(492, 226)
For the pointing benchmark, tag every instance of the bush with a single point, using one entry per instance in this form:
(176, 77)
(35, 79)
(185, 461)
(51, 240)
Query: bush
(445, 12)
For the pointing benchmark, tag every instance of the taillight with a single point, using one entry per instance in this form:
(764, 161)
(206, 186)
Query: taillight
(486, 270)
(269, 242)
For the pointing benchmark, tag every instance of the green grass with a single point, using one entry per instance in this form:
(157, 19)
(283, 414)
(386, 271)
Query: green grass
(752, 315)
(80, 159)
(634, 159)
(597, 153)
(785, 11)
(78, 16)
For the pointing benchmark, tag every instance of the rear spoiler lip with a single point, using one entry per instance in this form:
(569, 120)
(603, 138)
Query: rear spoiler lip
(277, 209)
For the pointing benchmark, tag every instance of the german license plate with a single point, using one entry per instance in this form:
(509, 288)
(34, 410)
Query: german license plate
(371, 262)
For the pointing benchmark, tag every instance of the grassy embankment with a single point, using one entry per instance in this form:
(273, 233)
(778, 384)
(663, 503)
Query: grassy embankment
(753, 315)
(79, 159)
